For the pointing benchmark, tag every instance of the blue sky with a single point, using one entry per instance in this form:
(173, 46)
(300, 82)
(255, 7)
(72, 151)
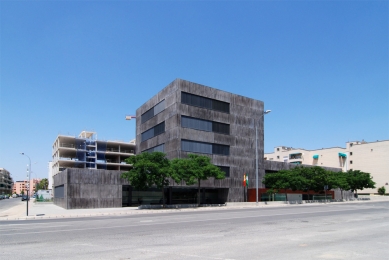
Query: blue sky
(67, 66)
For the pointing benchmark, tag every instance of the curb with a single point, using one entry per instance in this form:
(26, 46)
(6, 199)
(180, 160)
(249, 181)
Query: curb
(172, 210)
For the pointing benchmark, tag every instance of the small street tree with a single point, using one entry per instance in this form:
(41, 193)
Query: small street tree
(382, 190)
(194, 169)
(43, 184)
(281, 180)
(340, 181)
(149, 169)
(358, 180)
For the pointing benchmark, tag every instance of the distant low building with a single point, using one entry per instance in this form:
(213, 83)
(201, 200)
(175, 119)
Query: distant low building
(20, 186)
(371, 157)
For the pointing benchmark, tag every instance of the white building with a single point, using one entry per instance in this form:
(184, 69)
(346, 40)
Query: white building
(85, 151)
(371, 157)
(50, 176)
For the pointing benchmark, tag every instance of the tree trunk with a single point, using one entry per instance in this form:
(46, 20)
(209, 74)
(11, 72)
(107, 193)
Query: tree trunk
(198, 193)
(286, 197)
(341, 192)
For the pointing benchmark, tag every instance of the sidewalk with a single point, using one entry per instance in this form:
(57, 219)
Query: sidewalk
(47, 210)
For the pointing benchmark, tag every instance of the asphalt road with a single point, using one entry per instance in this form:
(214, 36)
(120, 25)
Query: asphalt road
(326, 231)
(9, 203)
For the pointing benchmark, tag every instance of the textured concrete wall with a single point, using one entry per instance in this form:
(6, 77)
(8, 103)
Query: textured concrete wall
(86, 188)
(244, 114)
(58, 180)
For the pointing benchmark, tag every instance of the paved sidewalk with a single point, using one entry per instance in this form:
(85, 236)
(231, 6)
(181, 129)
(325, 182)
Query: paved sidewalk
(46, 210)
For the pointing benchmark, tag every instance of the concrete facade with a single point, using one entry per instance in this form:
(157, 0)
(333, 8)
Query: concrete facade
(372, 157)
(6, 182)
(87, 152)
(243, 114)
(86, 188)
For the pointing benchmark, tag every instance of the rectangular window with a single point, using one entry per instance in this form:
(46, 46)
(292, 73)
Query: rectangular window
(153, 111)
(220, 128)
(156, 130)
(158, 148)
(196, 147)
(59, 191)
(207, 148)
(208, 103)
(204, 125)
(225, 169)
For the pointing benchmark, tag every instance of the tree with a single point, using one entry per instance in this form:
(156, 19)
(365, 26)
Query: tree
(149, 169)
(286, 179)
(340, 180)
(358, 180)
(194, 169)
(44, 184)
(382, 190)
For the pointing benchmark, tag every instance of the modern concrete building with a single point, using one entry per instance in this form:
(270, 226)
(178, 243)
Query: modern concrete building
(86, 152)
(186, 117)
(6, 182)
(182, 118)
(371, 157)
(86, 171)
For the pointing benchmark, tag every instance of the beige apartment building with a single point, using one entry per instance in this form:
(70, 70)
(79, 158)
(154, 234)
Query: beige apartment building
(371, 157)
(87, 152)
(20, 186)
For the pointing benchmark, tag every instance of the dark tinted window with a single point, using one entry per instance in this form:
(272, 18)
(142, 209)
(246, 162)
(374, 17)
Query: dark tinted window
(220, 149)
(205, 125)
(153, 111)
(207, 148)
(156, 130)
(59, 191)
(196, 147)
(146, 116)
(196, 123)
(158, 148)
(220, 128)
(204, 102)
(225, 169)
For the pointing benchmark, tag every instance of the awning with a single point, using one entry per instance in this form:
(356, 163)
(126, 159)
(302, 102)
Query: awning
(342, 155)
(294, 153)
(315, 156)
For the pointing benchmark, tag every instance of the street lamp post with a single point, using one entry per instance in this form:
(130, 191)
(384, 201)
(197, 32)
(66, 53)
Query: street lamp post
(256, 156)
(28, 185)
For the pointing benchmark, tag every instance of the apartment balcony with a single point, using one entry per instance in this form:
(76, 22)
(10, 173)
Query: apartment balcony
(295, 156)
(66, 145)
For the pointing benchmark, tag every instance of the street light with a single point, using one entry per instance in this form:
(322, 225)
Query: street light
(28, 187)
(256, 156)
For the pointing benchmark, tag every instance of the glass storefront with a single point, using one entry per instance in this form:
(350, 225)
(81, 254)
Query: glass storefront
(173, 195)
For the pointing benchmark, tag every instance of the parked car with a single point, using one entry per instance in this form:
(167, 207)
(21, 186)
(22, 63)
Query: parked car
(1, 197)
(6, 196)
(24, 197)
